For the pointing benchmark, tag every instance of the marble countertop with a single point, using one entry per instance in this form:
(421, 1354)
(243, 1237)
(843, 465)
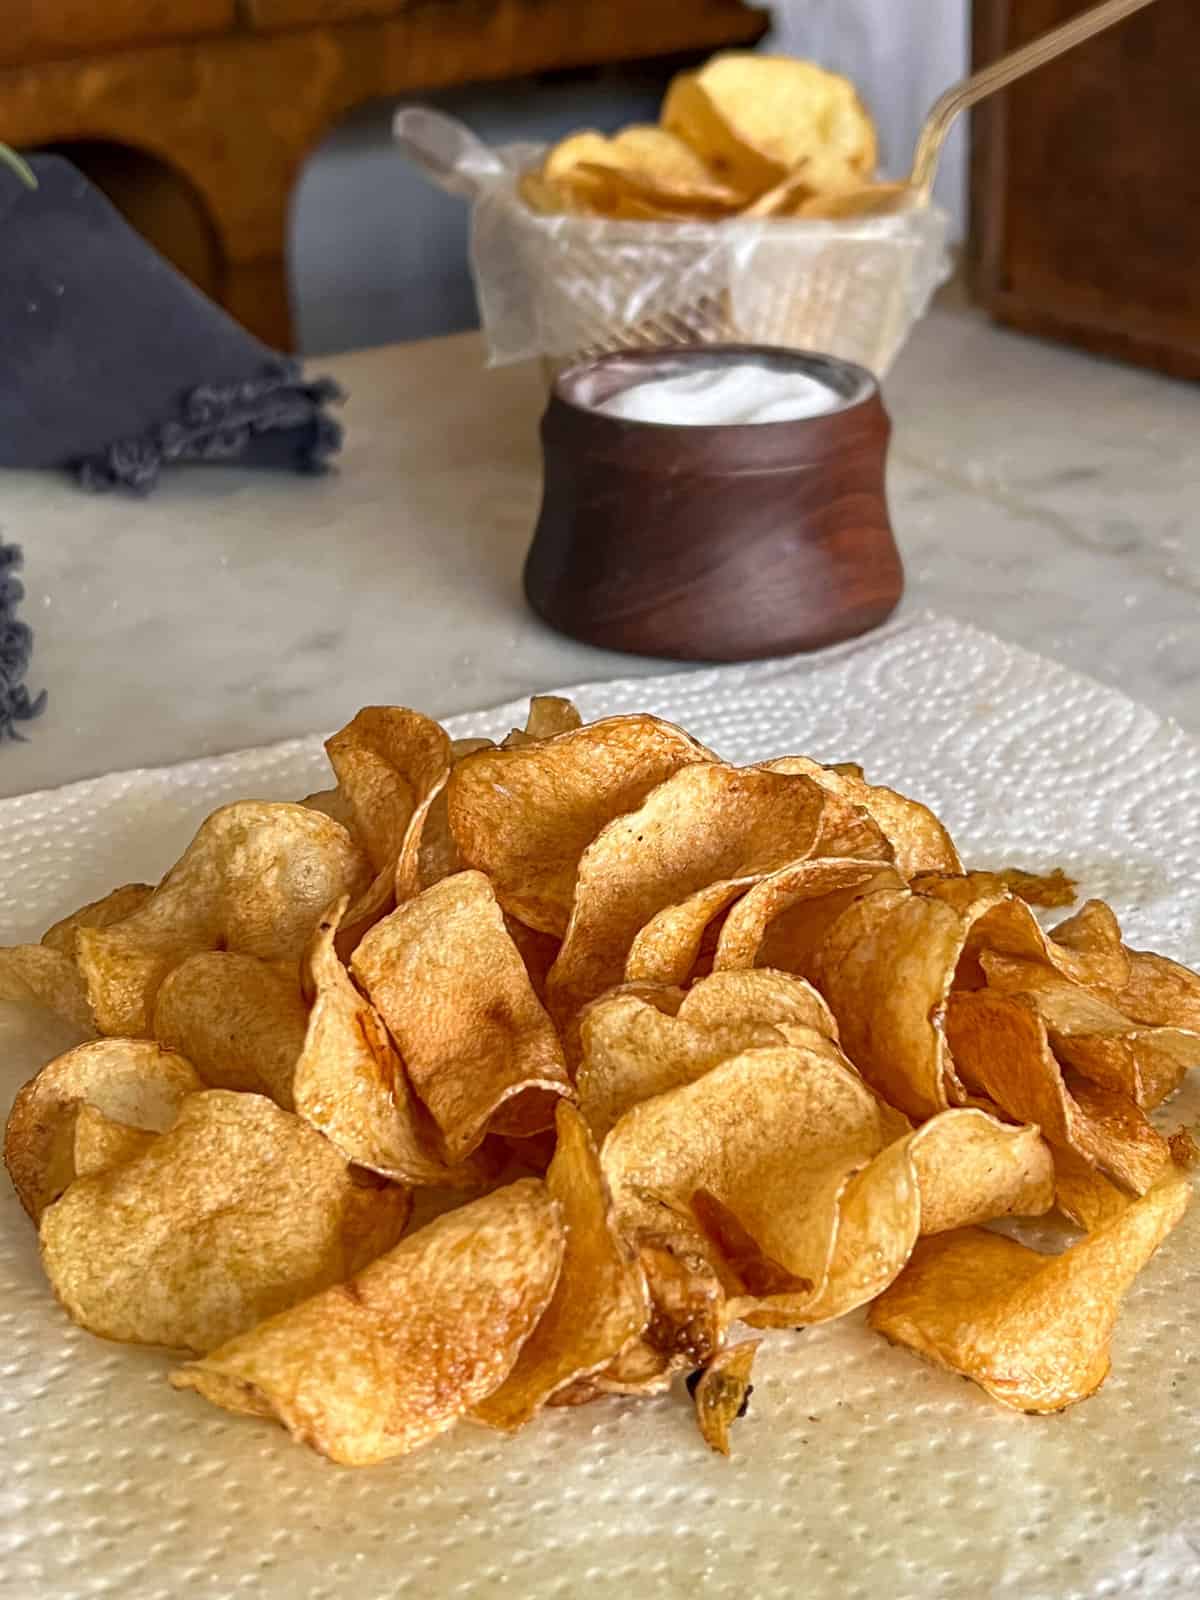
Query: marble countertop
(1038, 493)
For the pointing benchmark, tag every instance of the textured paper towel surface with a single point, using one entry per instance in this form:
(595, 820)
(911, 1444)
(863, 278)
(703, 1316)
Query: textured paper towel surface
(859, 1472)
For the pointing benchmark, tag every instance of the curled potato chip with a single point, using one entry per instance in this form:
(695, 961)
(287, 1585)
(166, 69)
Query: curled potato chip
(961, 1167)
(240, 1021)
(372, 1368)
(255, 880)
(1143, 1062)
(112, 907)
(525, 816)
(100, 1143)
(1001, 1049)
(237, 1211)
(454, 993)
(350, 1085)
(41, 976)
(631, 1051)
(759, 995)
(1033, 1331)
(1084, 1195)
(707, 822)
(600, 1303)
(1053, 888)
(1086, 948)
(886, 967)
(1158, 992)
(781, 921)
(665, 950)
(918, 840)
(775, 1135)
(132, 1081)
(549, 714)
(438, 855)
(722, 1392)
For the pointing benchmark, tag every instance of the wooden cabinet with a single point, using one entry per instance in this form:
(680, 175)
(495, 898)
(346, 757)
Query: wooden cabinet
(1086, 184)
(197, 115)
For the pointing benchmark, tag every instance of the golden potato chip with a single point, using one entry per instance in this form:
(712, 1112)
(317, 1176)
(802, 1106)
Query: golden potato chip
(722, 1392)
(454, 993)
(1086, 948)
(372, 1368)
(549, 714)
(1033, 1331)
(600, 1304)
(631, 1051)
(390, 764)
(774, 1134)
(1040, 888)
(666, 949)
(350, 1085)
(960, 1167)
(781, 921)
(237, 1211)
(333, 803)
(886, 967)
(255, 880)
(919, 841)
(240, 1021)
(1084, 1195)
(101, 1144)
(706, 823)
(757, 118)
(646, 161)
(37, 975)
(840, 198)
(438, 855)
(1144, 1063)
(759, 995)
(525, 816)
(112, 907)
(1158, 992)
(132, 1081)
(1001, 1050)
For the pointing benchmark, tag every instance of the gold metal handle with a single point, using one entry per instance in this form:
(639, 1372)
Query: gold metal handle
(1000, 73)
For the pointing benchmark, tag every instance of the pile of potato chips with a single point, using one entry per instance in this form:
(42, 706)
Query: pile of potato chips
(497, 1077)
(747, 135)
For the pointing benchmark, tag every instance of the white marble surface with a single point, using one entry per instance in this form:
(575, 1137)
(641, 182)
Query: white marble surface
(1041, 494)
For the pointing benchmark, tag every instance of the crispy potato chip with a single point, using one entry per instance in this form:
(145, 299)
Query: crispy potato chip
(1040, 888)
(132, 1081)
(1144, 1063)
(722, 1392)
(919, 841)
(886, 967)
(391, 763)
(549, 714)
(525, 816)
(707, 822)
(438, 855)
(350, 1085)
(1086, 948)
(645, 161)
(372, 1368)
(240, 1022)
(840, 201)
(1084, 1195)
(255, 880)
(237, 1211)
(781, 921)
(687, 1309)
(37, 975)
(333, 803)
(1033, 1331)
(962, 1166)
(631, 1051)
(1158, 992)
(112, 907)
(101, 1143)
(600, 1304)
(451, 986)
(666, 949)
(1001, 1049)
(759, 995)
(774, 1134)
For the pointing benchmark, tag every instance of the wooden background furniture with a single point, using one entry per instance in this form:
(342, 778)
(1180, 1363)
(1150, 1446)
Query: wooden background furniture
(196, 116)
(1086, 184)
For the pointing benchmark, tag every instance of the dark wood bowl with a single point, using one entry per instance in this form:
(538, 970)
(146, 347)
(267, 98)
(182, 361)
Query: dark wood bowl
(713, 543)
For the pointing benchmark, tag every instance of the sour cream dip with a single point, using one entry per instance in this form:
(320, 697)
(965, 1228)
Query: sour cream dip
(724, 392)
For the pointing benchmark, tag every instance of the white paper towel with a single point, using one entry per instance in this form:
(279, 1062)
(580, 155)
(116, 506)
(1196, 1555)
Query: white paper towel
(859, 1472)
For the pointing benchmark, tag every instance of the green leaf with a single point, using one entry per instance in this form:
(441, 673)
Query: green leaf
(10, 158)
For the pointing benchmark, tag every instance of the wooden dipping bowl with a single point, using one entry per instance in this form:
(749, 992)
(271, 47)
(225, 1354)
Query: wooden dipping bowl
(714, 542)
